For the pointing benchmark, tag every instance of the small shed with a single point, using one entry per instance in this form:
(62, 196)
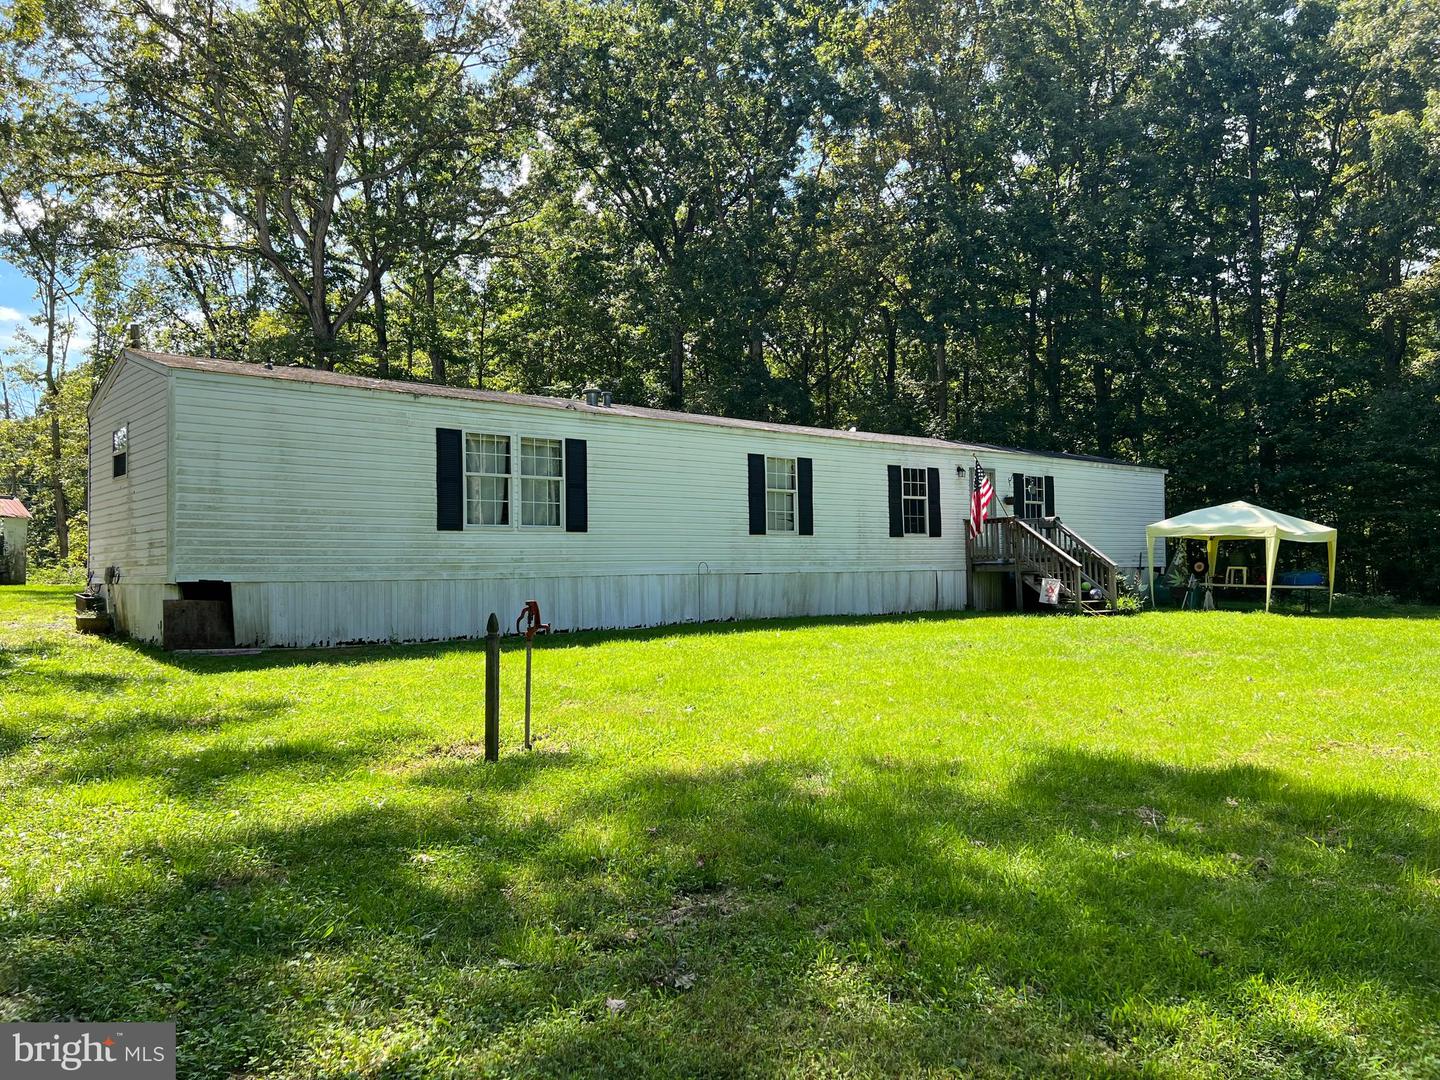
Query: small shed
(14, 522)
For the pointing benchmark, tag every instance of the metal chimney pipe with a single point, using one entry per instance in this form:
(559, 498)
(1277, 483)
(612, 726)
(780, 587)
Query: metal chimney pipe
(607, 398)
(592, 395)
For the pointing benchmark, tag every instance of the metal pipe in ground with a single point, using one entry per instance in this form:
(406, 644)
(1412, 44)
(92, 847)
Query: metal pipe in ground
(492, 689)
(529, 646)
(529, 620)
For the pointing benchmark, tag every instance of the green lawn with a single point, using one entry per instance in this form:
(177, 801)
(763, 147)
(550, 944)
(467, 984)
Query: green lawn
(1179, 844)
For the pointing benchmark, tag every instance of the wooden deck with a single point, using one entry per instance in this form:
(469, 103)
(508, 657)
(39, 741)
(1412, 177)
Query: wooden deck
(1036, 548)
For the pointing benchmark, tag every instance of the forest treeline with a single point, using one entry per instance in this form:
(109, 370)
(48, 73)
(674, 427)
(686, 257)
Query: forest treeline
(1196, 233)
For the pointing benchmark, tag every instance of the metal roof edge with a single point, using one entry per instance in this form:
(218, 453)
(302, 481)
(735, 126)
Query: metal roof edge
(314, 376)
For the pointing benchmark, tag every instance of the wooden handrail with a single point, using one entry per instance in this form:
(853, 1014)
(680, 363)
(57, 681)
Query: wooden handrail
(1023, 543)
(1055, 548)
(1068, 531)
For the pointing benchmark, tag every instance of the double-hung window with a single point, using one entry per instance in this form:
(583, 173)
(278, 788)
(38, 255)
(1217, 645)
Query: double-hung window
(914, 501)
(542, 481)
(487, 479)
(1034, 497)
(780, 489)
(120, 451)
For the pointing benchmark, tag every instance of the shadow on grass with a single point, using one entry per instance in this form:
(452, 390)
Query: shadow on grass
(347, 655)
(18, 670)
(1094, 913)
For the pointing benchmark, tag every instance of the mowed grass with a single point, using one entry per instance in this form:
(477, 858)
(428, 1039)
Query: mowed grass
(1179, 844)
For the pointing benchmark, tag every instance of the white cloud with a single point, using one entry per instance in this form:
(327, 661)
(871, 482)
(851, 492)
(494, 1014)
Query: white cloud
(10, 314)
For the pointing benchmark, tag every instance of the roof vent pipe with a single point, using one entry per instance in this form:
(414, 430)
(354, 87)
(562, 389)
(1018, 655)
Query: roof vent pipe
(607, 398)
(133, 330)
(592, 395)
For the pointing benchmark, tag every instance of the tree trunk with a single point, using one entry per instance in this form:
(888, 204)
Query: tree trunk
(382, 328)
(942, 379)
(1032, 363)
(52, 390)
(1256, 267)
(480, 345)
(829, 375)
(890, 351)
(323, 348)
(1054, 374)
(433, 345)
(12, 486)
(1395, 329)
(677, 366)
(57, 485)
(963, 411)
(1101, 376)
(1217, 346)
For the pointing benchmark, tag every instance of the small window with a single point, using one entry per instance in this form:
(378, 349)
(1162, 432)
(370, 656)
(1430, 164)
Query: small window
(1034, 497)
(914, 501)
(780, 488)
(487, 479)
(542, 476)
(120, 450)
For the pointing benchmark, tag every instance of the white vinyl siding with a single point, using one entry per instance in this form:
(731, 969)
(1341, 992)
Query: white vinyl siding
(780, 495)
(130, 516)
(661, 493)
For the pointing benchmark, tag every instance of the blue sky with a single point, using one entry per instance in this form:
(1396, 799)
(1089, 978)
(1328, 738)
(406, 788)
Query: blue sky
(15, 289)
(17, 302)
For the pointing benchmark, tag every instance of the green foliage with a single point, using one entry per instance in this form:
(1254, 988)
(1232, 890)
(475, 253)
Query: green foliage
(964, 849)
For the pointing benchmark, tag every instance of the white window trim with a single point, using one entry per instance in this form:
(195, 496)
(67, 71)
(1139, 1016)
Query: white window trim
(793, 492)
(515, 478)
(923, 499)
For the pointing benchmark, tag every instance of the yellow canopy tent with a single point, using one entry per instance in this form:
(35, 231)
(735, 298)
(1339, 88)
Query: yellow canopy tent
(1242, 521)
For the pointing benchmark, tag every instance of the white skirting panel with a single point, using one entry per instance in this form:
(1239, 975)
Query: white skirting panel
(341, 612)
(136, 609)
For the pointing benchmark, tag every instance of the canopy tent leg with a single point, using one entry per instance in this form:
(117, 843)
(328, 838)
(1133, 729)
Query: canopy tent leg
(1331, 545)
(1272, 549)
(1150, 561)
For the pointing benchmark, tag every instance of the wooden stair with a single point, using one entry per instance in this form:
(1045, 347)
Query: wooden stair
(1037, 548)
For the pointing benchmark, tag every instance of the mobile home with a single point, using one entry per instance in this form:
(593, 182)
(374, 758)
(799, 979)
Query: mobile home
(289, 506)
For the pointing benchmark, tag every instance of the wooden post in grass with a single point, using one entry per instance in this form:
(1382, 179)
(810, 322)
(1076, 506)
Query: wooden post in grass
(492, 688)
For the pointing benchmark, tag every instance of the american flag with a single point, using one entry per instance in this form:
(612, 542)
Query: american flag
(981, 496)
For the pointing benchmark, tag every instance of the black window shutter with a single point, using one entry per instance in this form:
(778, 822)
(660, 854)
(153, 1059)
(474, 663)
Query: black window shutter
(757, 494)
(1049, 496)
(1019, 486)
(577, 495)
(449, 481)
(805, 490)
(897, 515)
(932, 489)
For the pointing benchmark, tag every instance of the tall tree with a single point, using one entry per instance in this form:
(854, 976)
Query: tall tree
(294, 124)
